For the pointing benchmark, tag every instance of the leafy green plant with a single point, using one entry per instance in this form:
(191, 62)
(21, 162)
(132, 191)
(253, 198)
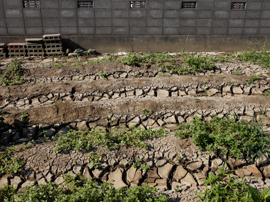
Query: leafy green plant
(266, 94)
(140, 165)
(197, 100)
(60, 101)
(103, 75)
(253, 78)
(222, 59)
(94, 159)
(237, 73)
(147, 112)
(82, 189)
(227, 135)
(223, 187)
(9, 163)
(259, 197)
(74, 70)
(199, 63)
(163, 75)
(24, 116)
(84, 140)
(12, 74)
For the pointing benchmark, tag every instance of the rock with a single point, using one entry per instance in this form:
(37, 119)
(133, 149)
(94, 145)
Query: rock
(86, 173)
(50, 132)
(179, 173)
(189, 180)
(42, 181)
(255, 171)
(162, 93)
(97, 173)
(134, 122)
(63, 130)
(116, 178)
(170, 119)
(165, 170)
(161, 162)
(161, 184)
(15, 182)
(77, 169)
(59, 180)
(215, 164)
(124, 162)
(138, 176)
(49, 177)
(4, 182)
(194, 165)
(153, 173)
(131, 174)
(28, 183)
(237, 90)
(211, 92)
(180, 119)
(30, 175)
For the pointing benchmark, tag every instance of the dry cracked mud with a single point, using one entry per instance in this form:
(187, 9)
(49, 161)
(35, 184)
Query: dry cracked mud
(59, 98)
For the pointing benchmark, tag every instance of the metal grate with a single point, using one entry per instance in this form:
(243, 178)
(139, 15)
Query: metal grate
(31, 4)
(137, 4)
(85, 4)
(238, 5)
(189, 4)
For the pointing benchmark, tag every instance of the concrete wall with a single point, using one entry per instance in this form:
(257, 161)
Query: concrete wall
(162, 22)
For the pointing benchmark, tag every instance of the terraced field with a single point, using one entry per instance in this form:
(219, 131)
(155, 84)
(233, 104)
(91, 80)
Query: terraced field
(133, 107)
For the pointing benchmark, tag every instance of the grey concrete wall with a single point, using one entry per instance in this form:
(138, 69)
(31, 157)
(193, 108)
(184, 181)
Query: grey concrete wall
(116, 22)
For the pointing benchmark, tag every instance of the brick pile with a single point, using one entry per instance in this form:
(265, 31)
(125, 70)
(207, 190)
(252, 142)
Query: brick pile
(53, 44)
(34, 46)
(3, 52)
(16, 49)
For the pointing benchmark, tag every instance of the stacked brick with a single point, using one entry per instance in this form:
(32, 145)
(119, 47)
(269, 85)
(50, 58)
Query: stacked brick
(53, 44)
(34, 46)
(3, 50)
(16, 49)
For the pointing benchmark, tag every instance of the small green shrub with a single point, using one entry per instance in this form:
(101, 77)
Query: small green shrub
(147, 112)
(221, 59)
(9, 163)
(223, 187)
(253, 78)
(231, 136)
(237, 73)
(140, 165)
(84, 140)
(24, 116)
(82, 189)
(199, 63)
(103, 75)
(197, 100)
(266, 94)
(94, 159)
(12, 74)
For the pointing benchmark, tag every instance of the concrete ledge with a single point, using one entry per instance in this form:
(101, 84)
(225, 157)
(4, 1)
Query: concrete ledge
(157, 43)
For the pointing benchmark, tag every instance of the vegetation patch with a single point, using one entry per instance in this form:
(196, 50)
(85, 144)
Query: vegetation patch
(9, 163)
(12, 74)
(253, 78)
(84, 140)
(81, 189)
(227, 135)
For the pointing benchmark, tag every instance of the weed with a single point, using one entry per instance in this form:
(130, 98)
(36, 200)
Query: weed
(94, 159)
(74, 70)
(211, 75)
(266, 94)
(103, 75)
(199, 63)
(237, 73)
(57, 65)
(9, 163)
(223, 187)
(229, 83)
(253, 78)
(228, 135)
(77, 79)
(221, 59)
(163, 75)
(24, 116)
(84, 140)
(60, 101)
(64, 82)
(147, 112)
(12, 74)
(140, 165)
(82, 189)
(197, 100)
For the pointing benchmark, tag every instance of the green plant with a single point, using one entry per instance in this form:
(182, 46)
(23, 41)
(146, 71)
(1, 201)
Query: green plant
(74, 70)
(197, 100)
(223, 187)
(9, 163)
(94, 159)
(222, 59)
(199, 63)
(60, 101)
(84, 140)
(163, 75)
(82, 189)
(12, 74)
(237, 73)
(147, 112)
(24, 116)
(259, 197)
(140, 165)
(103, 75)
(227, 135)
(266, 94)
(253, 78)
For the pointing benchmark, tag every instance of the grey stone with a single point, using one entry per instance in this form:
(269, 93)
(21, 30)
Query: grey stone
(189, 180)
(116, 178)
(77, 169)
(42, 181)
(179, 173)
(194, 165)
(15, 182)
(3, 182)
(165, 170)
(59, 180)
(161, 162)
(86, 173)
